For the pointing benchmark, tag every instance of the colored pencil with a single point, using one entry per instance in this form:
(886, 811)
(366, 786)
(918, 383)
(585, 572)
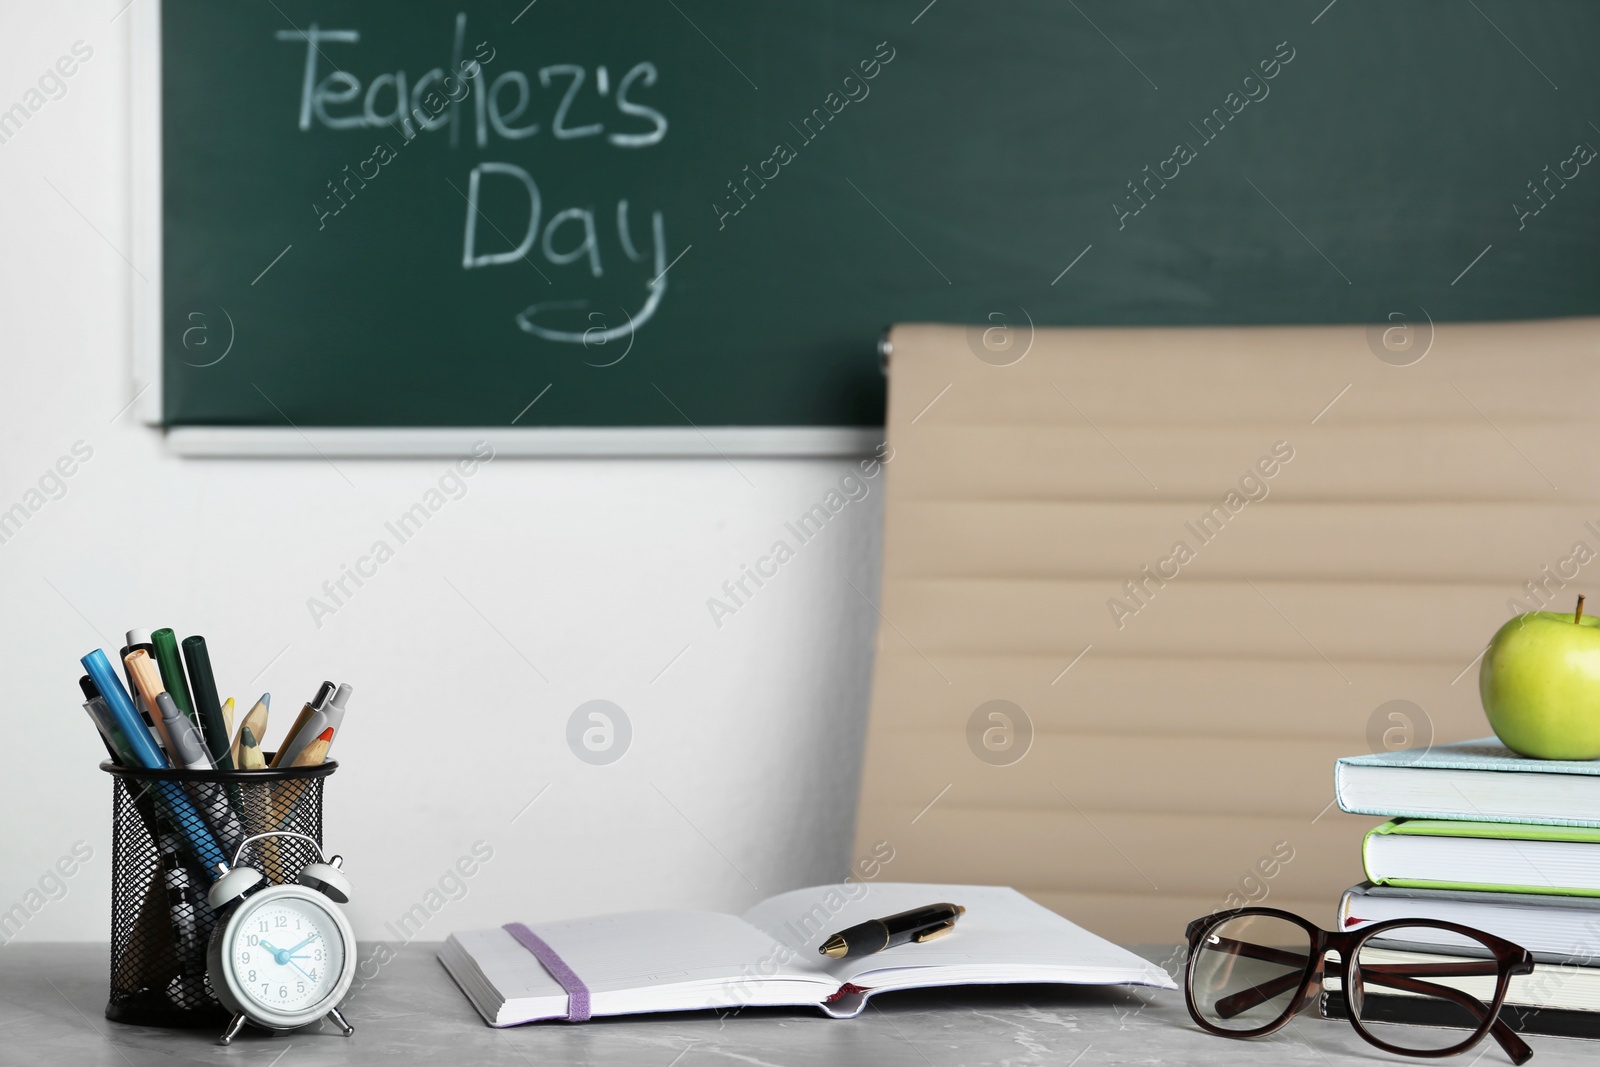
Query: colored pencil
(316, 752)
(256, 720)
(249, 751)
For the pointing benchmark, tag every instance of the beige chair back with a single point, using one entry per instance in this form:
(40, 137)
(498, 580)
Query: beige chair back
(1193, 567)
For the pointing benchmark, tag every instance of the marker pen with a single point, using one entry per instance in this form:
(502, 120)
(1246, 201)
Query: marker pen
(138, 639)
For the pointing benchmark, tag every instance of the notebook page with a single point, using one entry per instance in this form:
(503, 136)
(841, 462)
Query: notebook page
(614, 953)
(1003, 933)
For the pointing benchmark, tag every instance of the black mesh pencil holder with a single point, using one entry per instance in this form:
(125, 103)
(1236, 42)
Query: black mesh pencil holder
(169, 829)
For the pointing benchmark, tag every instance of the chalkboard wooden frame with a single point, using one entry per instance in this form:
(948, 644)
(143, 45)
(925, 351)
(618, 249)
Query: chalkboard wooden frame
(145, 99)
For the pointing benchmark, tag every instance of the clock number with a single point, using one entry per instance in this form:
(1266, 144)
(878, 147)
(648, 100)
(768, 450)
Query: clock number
(275, 924)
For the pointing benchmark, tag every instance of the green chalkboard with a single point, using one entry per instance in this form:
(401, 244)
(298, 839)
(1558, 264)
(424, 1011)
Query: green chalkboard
(734, 198)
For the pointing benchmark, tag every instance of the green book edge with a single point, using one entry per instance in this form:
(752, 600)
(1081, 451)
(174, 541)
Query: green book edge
(1494, 831)
(1475, 887)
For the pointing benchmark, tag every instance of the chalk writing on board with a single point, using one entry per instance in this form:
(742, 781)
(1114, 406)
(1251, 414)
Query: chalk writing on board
(593, 334)
(345, 89)
(385, 152)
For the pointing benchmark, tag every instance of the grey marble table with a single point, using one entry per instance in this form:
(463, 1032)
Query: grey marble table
(52, 998)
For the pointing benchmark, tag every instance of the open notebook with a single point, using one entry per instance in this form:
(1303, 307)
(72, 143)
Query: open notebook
(685, 960)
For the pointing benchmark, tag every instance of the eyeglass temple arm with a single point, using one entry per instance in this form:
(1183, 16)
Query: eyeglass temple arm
(1379, 974)
(1508, 1039)
(1254, 996)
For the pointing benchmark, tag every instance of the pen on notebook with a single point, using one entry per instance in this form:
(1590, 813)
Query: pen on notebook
(208, 709)
(875, 935)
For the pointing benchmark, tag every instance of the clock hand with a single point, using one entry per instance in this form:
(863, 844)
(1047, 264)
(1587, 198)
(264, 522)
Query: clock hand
(278, 955)
(290, 951)
(301, 969)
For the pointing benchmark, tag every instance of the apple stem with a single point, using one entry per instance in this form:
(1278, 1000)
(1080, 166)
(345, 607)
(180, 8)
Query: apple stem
(1578, 614)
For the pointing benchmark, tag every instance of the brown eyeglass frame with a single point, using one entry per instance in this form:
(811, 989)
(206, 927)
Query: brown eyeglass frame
(1509, 959)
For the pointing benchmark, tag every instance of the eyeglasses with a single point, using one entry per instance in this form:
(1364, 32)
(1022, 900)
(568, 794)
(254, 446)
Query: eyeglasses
(1407, 985)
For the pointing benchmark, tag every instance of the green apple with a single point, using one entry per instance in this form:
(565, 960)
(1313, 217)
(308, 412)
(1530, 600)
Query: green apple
(1540, 684)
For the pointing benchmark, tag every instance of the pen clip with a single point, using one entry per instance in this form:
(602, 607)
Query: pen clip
(934, 932)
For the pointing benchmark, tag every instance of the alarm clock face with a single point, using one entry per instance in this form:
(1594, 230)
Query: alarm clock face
(286, 956)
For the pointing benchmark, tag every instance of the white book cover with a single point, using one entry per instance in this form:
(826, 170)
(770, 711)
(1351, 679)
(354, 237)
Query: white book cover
(1479, 781)
(1556, 929)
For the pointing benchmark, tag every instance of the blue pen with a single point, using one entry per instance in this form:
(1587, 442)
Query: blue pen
(144, 749)
(180, 811)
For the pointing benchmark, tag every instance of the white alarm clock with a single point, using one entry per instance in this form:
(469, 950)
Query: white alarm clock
(281, 956)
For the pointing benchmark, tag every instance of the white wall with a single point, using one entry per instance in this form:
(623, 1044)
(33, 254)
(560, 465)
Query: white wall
(742, 774)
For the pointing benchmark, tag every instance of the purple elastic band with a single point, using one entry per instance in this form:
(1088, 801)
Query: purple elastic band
(577, 992)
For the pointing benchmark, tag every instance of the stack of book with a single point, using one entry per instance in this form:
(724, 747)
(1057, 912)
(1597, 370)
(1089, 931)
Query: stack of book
(1488, 839)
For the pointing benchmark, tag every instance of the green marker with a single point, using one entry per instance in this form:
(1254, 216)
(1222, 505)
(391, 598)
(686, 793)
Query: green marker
(206, 704)
(171, 667)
